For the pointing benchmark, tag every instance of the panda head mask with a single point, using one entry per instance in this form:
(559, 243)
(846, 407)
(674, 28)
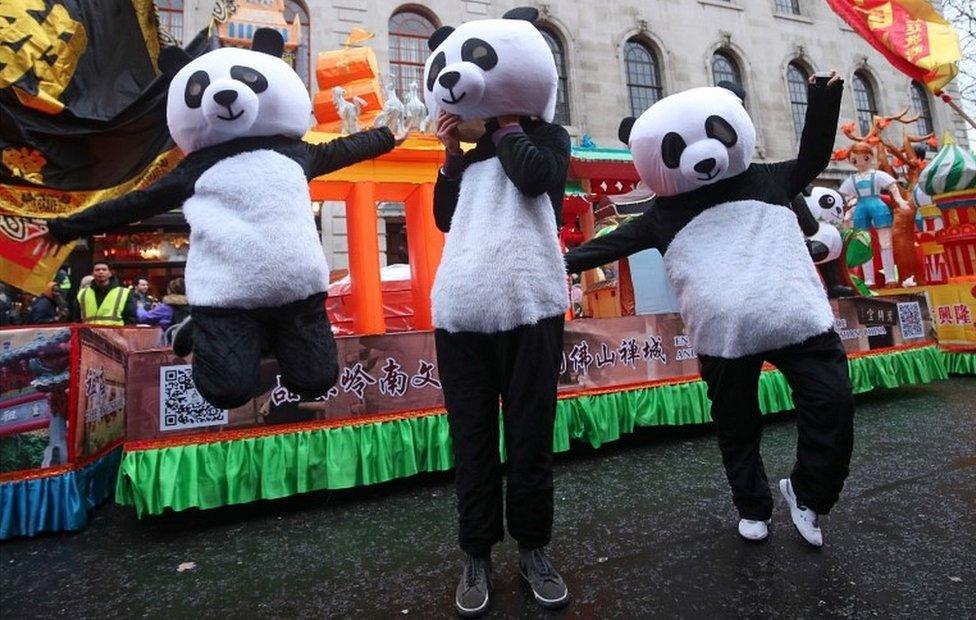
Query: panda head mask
(691, 139)
(491, 67)
(233, 93)
(825, 204)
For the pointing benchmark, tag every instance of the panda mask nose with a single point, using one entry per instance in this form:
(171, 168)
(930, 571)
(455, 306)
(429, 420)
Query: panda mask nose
(225, 97)
(705, 166)
(449, 79)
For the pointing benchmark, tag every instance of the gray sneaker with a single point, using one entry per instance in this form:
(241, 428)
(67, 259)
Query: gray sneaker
(547, 586)
(474, 590)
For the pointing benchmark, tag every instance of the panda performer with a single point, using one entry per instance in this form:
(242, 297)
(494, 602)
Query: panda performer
(747, 289)
(820, 211)
(256, 275)
(500, 294)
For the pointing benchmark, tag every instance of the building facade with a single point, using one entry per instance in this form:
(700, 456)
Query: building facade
(616, 57)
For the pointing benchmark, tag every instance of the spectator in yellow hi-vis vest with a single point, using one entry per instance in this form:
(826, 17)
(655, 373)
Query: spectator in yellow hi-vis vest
(104, 302)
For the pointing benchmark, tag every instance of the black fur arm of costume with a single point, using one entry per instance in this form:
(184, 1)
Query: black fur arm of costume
(164, 195)
(632, 237)
(536, 161)
(808, 223)
(446, 192)
(348, 150)
(819, 133)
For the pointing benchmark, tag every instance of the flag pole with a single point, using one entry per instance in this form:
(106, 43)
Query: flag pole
(955, 106)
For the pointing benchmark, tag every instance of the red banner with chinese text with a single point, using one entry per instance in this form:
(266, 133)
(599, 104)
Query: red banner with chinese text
(911, 34)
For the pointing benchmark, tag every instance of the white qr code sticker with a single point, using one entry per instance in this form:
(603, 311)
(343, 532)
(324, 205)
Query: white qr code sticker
(910, 317)
(180, 405)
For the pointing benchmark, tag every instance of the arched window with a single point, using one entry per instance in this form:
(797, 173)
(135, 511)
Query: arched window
(171, 18)
(725, 69)
(920, 103)
(865, 102)
(643, 76)
(796, 80)
(409, 31)
(788, 6)
(562, 98)
(303, 55)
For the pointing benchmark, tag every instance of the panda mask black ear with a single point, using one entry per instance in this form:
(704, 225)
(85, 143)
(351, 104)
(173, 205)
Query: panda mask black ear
(808, 191)
(268, 41)
(734, 88)
(438, 37)
(172, 59)
(626, 125)
(525, 13)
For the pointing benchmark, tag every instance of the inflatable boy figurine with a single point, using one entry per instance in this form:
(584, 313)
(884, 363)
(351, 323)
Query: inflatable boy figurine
(864, 187)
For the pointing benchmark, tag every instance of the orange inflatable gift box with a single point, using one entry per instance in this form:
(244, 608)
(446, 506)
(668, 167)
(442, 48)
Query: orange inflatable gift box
(356, 70)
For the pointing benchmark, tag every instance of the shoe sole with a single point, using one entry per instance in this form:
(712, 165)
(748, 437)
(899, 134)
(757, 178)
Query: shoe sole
(544, 602)
(790, 504)
(754, 541)
(476, 612)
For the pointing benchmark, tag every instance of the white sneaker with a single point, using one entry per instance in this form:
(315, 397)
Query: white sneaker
(753, 531)
(806, 521)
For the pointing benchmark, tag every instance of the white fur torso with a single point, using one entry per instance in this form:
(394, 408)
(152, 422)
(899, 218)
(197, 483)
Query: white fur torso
(253, 241)
(502, 266)
(744, 280)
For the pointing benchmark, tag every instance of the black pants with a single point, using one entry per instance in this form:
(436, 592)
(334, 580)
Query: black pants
(228, 344)
(521, 367)
(816, 370)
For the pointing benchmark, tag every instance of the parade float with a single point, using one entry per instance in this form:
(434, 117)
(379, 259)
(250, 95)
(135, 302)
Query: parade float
(948, 246)
(107, 406)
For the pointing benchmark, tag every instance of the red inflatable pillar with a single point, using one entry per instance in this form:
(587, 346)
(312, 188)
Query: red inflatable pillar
(364, 259)
(424, 245)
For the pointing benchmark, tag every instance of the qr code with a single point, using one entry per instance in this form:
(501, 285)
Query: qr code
(910, 317)
(180, 405)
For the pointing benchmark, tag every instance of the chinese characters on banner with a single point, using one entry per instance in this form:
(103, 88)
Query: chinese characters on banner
(397, 373)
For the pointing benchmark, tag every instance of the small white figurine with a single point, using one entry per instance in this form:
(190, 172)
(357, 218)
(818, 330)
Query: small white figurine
(392, 114)
(349, 111)
(416, 111)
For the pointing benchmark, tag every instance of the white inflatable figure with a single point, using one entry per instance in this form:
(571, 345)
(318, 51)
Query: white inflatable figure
(826, 245)
(392, 115)
(349, 111)
(415, 112)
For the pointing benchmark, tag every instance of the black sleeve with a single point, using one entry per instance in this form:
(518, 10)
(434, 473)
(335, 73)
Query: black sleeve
(130, 313)
(164, 195)
(536, 163)
(636, 235)
(445, 201)
(817, 140)
(808, 223)
(347, 150)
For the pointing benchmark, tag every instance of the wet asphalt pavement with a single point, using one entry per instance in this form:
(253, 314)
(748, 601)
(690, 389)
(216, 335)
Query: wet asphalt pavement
(644, 528)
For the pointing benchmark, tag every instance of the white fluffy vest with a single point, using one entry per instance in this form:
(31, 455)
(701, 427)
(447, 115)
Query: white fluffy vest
(502, 266)
(253, 242)
(744, 280)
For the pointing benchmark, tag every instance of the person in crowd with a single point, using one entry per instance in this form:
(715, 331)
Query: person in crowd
(170, 311)
(140, 291)
(48, 307)
(6, 306)
(104, 302)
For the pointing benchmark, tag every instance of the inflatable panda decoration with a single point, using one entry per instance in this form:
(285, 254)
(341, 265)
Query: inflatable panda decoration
(826, 208)
(256, 274)
(746, 287)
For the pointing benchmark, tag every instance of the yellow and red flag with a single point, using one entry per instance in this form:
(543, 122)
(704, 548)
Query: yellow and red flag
(911, 34)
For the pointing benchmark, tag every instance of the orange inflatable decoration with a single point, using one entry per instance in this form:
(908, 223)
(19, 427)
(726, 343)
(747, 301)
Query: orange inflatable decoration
(356, 70)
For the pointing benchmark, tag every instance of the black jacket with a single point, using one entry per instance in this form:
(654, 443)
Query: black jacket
(170, 191)
(535, 161)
